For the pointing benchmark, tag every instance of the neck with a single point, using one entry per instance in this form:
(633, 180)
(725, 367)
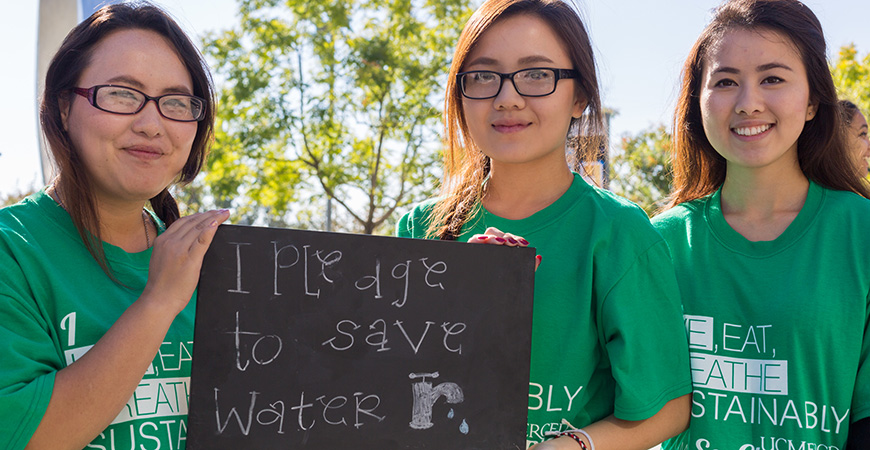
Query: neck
(516, 192)
(760, 204)
(126, 226)
(122, 224)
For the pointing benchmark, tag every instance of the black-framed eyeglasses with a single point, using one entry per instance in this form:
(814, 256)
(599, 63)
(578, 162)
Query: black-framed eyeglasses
(532, 82)
(125, 100)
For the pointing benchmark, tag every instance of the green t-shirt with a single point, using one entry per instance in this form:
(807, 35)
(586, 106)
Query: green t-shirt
(777, 329)
(55, 303)
(606, 332)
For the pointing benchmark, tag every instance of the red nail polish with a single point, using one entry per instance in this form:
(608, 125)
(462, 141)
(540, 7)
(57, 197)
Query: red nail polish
(524, 242)
(483, 238)
(498, 239)
(512, 240)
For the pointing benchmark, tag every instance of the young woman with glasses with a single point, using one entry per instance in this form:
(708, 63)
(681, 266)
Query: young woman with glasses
(95, 296)
(608, 352)
(768, 230)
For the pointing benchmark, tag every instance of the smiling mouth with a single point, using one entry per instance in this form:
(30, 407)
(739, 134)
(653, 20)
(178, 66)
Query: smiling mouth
(508, 128)
(144, 153)
(752, 131)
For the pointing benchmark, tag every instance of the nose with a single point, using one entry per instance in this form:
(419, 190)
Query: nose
(148, 121)
(508, 97)
(749, 100)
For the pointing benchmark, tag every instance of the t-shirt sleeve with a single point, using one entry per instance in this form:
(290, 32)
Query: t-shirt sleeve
(404, 226)
(30, 359)
(861, 398)
(642, 331)
(414, 223)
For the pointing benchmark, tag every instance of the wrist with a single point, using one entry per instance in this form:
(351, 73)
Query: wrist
(158, 303)
(579, 436)
(579, 440)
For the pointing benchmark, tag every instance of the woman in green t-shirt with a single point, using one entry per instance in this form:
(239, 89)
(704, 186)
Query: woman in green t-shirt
(608, 354)
(95, 289)
(767, 228)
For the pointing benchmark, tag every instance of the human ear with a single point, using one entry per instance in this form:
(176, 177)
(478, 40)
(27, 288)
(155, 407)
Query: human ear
(579, 107)
(64, 105)
(811, 111)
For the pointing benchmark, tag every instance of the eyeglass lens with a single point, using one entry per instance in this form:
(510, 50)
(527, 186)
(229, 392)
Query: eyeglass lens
(531, 82)
(128, 101)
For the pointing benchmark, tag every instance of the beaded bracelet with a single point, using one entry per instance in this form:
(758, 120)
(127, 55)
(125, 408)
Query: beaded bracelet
(577, 439)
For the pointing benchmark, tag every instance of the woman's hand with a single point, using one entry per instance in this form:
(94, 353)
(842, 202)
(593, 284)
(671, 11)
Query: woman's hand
(495, 236)
(177, 258)
(99, 383)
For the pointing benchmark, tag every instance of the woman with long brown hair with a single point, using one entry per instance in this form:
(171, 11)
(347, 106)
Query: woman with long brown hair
(608, 354)
(855, 125)
(96, 291)
(767, 229)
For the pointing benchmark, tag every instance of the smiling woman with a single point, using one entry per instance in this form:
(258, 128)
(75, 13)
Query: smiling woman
(522, 79)
(759, 75)
(767, 229)
(97, 290)
(856, 135)
(129, 157)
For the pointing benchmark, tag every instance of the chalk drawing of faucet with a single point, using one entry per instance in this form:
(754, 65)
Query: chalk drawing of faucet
(425, 397)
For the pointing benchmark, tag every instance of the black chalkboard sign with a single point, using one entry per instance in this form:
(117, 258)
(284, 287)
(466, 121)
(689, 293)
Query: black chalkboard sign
(312, 340)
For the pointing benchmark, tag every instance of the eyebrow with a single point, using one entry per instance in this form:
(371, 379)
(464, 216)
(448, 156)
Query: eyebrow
(138, 85)
(761, 68)
(487, 61)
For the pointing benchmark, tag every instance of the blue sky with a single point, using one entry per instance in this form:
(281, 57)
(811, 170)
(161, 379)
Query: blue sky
(640, 46)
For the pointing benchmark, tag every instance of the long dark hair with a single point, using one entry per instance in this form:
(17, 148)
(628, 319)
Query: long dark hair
(698, 169)
(465, 166)
(848, 110)
(63, 74)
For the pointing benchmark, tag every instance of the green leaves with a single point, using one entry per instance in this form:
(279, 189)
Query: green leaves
(641, 170)
(331, 99)
(852, 77)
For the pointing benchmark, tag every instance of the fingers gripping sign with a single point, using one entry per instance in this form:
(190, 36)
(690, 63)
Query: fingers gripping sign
(177, 257)
(495, 236)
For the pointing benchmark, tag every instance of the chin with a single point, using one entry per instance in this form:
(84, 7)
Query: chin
(146, 193)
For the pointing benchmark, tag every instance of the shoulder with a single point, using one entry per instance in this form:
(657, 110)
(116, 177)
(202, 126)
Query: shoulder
(36, 225)
(611, 206)
(619, 236)
(845, 202)
(20, 226)
(680, 217)
(15, 217)
(624, 216)
(414, 223)
(844, 215)
(608, 201)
